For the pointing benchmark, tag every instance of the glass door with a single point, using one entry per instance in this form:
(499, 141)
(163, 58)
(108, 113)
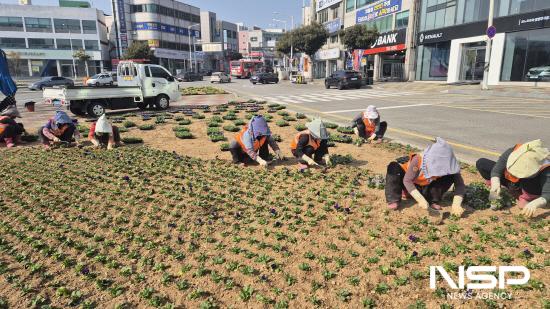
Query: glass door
(473, 63)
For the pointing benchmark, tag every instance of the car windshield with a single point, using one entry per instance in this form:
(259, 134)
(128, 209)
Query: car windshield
(96, 76)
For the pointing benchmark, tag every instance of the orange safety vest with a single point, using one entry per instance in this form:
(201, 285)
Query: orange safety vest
(369, 126)
(312, 141)
(513, 179)
(2, 125)
(421, 180)
(257, 143)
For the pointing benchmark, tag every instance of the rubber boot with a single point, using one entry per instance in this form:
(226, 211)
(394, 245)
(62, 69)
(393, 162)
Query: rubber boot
(525, 198)
(9, 142)
(393, 206)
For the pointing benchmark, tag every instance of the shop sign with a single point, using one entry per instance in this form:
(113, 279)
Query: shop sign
(51, 54)
(521, 22)
(323, 4)
(122, 25)
(378, 9)
(171, 54)
(153, 43)
(385, 49)
(333, 25)
(154, 26)
(390, 38)
(327, 54)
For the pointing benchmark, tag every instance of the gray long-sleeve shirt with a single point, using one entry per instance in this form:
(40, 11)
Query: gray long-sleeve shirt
(359, 120)
(543, 177)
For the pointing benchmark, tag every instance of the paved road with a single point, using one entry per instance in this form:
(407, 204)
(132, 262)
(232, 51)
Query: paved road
(477, 125)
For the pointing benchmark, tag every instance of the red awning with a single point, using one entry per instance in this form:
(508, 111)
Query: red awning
(384, 49)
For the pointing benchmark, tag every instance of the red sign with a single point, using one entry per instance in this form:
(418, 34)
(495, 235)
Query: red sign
(384, 49)
(115, 61)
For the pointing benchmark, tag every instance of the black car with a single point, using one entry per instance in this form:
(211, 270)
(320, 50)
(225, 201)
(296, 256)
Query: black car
(344, 79)
(264, 78)
(51, 81)
(189, 77)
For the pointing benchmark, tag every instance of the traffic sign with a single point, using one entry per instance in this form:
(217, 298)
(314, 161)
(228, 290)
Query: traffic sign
(491, 32)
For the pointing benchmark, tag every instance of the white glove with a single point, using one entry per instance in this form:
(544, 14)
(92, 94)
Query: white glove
(494, 193)
(356, 131)
(372, 137)
(261, 161)
(279, 155)
(457, 209)
(309, 160)
(56, 139)
(95, 142)
(530, 208)
(326, 158)
(419, 198)
(109, 146)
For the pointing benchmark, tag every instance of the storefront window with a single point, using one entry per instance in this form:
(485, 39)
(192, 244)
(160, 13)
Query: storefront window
(511, 7)
(402, 20)
(433, 61)
(437, 14)
(527, 56)
(43, 68)
(18, 67)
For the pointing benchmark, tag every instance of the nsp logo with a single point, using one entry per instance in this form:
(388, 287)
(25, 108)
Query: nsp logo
(480, 277)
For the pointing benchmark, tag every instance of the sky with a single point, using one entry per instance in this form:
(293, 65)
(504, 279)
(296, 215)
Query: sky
(251, 12)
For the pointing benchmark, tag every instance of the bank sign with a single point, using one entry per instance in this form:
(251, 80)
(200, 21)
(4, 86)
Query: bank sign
(323, 4)
(378, 9)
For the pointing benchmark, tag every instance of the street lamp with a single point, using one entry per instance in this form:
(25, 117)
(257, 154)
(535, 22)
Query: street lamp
(291, 43)
(72, 52)
(189, 41)
(489, 46)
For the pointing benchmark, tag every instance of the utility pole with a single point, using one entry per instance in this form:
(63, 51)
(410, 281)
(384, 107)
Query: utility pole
(488, 49)
(291, 43)
(116, 29)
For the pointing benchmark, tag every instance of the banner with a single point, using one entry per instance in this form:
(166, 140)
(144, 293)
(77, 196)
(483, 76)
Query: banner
(333, 25)
(323, 4)
(165, 28)
(123, 31)
(377, 10)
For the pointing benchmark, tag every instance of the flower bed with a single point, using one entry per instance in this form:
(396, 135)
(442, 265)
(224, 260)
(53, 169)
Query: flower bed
(202, 90)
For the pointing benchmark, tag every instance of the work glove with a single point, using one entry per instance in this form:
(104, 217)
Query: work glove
(494, 193)
(95, 142)
(419, 198)
(356, 131)
(326, 158)
(457, 209)
(279, 155)
(110, 146)
(372, 137)
(529, 210)
(261, 161)
(309, 160)
(56, 139)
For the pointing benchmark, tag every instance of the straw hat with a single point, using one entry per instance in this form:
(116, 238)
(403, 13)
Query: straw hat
(103, 125)
(528, 159)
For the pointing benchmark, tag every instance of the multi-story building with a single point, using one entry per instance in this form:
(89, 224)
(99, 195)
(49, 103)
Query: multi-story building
(331, 56)
(42, 40)
(219, 41)
(260, 43)
(171, 28)
(453, 34)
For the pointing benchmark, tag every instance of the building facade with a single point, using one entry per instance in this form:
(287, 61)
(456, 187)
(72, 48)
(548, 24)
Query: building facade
(171, 28)
(42, 40)
(219, 40)
(260, 44)
(452, 41)
(331, 56)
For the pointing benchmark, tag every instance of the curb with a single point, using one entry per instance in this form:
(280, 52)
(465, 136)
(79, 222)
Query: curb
(497, 93)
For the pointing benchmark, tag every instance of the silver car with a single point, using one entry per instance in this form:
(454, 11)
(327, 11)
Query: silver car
(51, 81)
(100, 80)
(220, 77)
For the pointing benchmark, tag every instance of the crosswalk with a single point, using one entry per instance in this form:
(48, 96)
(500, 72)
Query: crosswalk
(328, 96)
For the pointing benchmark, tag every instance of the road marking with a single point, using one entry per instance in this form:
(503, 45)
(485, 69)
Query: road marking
(380, 108)
(498, 112)
(300, 98)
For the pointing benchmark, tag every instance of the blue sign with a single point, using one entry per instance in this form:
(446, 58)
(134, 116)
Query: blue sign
(154, 26)
(333, 25)
(123, 33)
(491, 32)
(377, 10)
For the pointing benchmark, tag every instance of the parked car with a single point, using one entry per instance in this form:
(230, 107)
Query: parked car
(189, 77)
(100, 80)
(344, 79)
(264, 78)
(220, 77)
(51, 81)
(539, 74)
(113, 76)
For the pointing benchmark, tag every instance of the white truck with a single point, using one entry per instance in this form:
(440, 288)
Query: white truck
(139, 85)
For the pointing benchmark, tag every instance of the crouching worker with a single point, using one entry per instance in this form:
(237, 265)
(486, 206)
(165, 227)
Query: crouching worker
(103, 133)
(252, 142)
(426, 177)
(10, 130)
(367, 125)
(59, 129)
(310, 146)
(525, 171)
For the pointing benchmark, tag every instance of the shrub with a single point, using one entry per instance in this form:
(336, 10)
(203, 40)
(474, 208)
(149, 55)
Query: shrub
(128, 124)
(300, 127)
(229, 117)
(184, 134)
(281, 123)
(300, 116)
(213, 124)
(231, 128)
(29, 138)
(224, 147)
(147, 127)
(330, 125)
(160, 119)
(132, 140)
(345, 130)
(84, 130)
(340, 138)
(184, 121)
(283, 113)
(239, 122)
(277, 138)
(217, 137)
(181, 129)
(336, 159)
(122, 130)
(289, 118)
(216, 119)
(273, 105)
(198, 116)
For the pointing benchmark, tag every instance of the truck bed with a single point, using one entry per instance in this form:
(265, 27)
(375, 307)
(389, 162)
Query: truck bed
(90, 93)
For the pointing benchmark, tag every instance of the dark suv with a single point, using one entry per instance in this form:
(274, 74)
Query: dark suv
(189, 77)
(344, 79)
(264, 78)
